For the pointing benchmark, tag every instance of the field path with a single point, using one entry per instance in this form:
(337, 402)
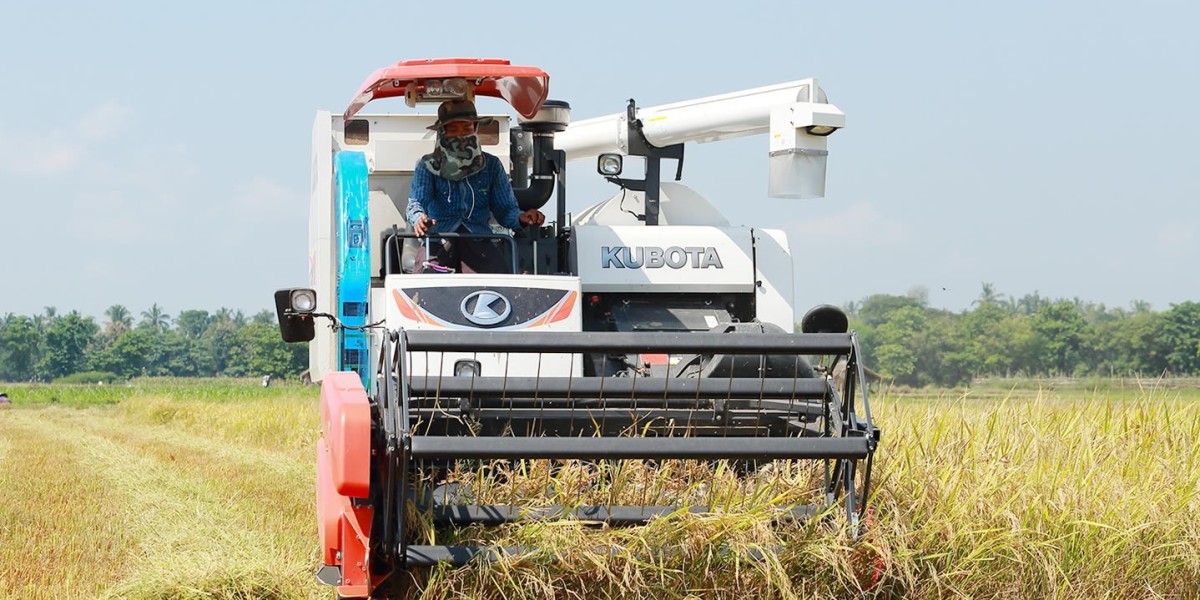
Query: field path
(168, 513)
(59, 525)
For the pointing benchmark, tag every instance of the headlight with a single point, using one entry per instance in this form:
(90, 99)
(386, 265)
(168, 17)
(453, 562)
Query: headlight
(609, 164)
(466, 368)
(455, 87)
(304, 300)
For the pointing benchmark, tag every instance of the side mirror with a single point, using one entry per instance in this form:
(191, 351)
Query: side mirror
(294, 307)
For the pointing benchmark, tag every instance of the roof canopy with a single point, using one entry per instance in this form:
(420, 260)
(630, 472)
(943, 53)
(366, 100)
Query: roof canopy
(525, 88)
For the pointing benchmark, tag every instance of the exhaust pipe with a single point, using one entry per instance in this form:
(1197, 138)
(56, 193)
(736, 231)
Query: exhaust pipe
(533, 141)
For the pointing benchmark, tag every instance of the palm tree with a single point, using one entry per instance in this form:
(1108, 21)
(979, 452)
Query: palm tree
(988, 295)
(852, 308)
(223, 316)
(119, 319)
(234, 318)
(1011, 306)
(192, 323)
(1029, 304)
(44, 320)
(155, 318)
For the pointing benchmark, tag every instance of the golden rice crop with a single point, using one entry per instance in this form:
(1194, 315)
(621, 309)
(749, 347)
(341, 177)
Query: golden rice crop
(206, 492)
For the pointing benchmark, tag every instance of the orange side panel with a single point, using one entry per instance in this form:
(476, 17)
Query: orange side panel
(344, 472)
(329, 510)
(355, 527)
(346, 433)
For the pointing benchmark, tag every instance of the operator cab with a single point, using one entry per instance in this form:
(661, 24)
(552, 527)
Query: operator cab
(363, 252)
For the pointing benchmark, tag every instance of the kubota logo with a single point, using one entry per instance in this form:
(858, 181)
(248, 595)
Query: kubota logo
(485, 308)
(653, 257)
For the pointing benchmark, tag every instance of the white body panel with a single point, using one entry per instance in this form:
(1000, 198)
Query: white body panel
(676, 259)
(392, 145)
(402, 299)
(677, 205)
(322, 256)
(774, 276)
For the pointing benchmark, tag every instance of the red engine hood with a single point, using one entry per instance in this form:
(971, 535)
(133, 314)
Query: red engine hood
(525, 88)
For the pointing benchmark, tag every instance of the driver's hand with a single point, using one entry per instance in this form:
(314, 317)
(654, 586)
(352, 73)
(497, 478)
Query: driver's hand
(423, 224)
(532, 217)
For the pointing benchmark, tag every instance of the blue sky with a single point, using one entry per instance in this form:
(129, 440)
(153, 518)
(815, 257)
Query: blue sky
(159, 152)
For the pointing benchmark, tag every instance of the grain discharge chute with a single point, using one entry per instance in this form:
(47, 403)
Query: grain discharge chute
(644, 327)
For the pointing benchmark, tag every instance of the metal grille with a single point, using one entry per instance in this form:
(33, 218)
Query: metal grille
(759, 402)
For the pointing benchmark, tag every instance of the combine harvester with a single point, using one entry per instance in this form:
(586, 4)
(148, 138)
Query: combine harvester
(644, 327)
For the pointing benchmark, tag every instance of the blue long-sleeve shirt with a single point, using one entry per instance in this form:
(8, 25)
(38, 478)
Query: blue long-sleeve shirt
(469, 202)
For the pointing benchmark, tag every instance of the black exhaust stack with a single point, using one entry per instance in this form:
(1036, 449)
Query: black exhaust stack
(533, 142)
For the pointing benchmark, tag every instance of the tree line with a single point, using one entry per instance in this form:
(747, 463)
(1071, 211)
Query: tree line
(902, 338)
(195, 343)
(910, 343)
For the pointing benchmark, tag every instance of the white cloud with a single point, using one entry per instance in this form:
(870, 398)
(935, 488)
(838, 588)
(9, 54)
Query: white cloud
(253, 208)
(55, 151)
(263, 196)
(956, 260)
(1175, 238)
(861, 221)
(103, 122)
(45, 158)
(99, 270)
(115, 228)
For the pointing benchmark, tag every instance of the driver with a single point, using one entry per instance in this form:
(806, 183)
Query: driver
(457, 188)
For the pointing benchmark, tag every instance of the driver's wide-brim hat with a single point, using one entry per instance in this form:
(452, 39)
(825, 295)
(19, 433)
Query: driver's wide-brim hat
(458, 110)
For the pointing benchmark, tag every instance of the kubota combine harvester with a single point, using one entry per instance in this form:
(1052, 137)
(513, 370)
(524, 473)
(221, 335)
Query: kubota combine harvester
(644, 327)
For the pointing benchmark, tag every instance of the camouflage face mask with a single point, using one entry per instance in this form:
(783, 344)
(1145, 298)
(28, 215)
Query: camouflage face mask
(455, 157)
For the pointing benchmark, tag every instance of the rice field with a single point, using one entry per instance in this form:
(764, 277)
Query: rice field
(185, 489)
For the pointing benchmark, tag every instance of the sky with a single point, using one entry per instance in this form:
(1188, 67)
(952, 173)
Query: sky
(159, 152)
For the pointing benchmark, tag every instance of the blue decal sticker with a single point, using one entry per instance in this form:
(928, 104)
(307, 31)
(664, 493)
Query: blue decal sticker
(354, 262)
